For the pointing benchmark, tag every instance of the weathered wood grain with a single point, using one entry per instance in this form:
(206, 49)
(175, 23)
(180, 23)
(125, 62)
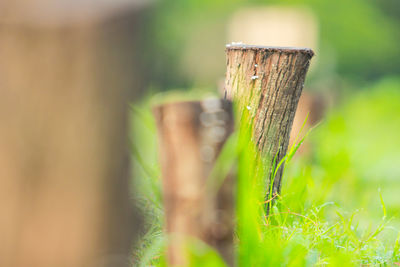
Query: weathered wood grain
(267, 82)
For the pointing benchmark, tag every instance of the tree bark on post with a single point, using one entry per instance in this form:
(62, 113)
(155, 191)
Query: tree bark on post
(66, 76)
(266, 83)
(191, 135)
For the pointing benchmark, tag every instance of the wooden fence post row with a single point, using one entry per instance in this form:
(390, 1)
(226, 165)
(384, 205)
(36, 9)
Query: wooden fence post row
(191, 135)
(267, 82)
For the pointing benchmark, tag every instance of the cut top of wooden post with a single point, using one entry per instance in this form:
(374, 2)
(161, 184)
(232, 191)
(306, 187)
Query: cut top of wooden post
(266, 82)
(240, 46)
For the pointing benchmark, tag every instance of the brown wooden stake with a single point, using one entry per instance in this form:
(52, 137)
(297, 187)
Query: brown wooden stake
(191, 135)
(66, 69)
(266, 82)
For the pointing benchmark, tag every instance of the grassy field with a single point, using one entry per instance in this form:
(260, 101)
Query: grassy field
(338, 206)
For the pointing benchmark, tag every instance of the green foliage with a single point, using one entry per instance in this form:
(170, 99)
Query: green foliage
(357, 38)
(331, 210)
(358, 32)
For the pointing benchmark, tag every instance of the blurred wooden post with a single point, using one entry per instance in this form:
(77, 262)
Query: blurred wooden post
(266, 82)
(191, 135)
(66, 74)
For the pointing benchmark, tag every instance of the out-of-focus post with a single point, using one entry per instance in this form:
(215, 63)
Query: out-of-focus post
(67, 71)
(191, 135)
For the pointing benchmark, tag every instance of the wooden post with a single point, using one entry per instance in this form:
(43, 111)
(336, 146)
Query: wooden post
(266, 82)
(191, 135)
(66, 73)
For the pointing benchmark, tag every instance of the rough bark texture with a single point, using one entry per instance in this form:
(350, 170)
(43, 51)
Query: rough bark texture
(191, 135)
(64, 166)
(266, 83)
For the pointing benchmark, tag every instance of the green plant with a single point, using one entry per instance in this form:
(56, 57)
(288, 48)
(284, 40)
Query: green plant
(310, 223)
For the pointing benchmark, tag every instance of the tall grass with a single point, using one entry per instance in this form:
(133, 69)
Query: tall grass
(321, 217)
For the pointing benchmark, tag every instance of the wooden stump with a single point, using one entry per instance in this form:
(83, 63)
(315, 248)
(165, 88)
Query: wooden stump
(66, 75)
(266, 82)
(191, 135)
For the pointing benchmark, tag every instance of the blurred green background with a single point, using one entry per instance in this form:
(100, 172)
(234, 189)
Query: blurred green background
(354, 151)
(357, 40)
